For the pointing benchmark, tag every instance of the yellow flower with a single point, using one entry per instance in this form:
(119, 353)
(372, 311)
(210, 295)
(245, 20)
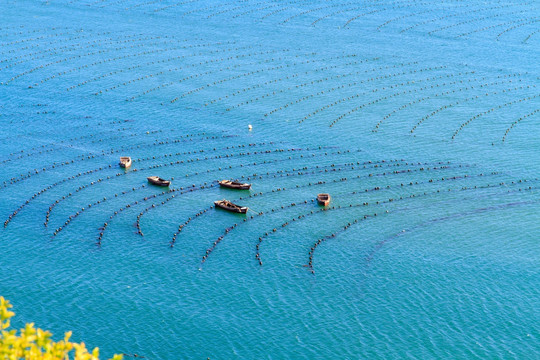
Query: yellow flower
(36, 344)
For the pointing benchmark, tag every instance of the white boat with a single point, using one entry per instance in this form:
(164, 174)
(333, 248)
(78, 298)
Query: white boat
(125, 162)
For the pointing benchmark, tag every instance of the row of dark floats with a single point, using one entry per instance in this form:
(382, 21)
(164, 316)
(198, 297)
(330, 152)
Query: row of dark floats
(125, 162)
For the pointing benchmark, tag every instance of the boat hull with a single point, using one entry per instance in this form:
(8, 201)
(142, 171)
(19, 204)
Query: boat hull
(154, 180)
(323, 199)
(231, 185)
(235, 209)
(125, 162)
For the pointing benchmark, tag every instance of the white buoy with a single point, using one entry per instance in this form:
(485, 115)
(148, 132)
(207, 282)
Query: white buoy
(250, 127)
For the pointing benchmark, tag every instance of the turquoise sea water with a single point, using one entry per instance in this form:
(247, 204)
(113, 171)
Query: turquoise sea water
(419, 118)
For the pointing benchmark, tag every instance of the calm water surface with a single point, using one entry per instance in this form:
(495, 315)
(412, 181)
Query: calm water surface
(420, 119)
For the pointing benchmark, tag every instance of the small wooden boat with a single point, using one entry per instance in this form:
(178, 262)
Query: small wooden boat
(227, 205)
(323, 199)
(234, 185)
(156, 180)
(125, 161)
